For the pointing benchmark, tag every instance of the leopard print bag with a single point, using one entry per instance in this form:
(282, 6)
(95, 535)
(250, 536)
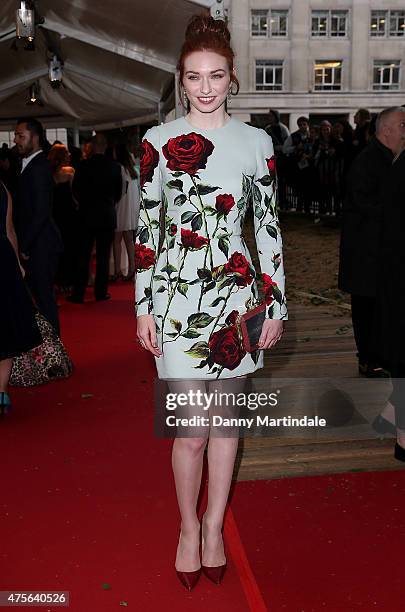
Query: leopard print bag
(46, 362)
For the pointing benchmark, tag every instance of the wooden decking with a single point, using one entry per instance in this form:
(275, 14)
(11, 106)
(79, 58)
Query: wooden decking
(318, 342)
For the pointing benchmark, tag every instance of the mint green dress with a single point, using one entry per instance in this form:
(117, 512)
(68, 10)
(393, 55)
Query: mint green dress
(194, 271)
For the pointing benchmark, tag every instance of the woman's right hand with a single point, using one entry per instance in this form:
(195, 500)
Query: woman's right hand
(146, 332)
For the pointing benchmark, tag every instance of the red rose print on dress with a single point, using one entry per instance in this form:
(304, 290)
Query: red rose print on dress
(268, 285)
(239, 266)
(144, 257)
(187, 153)
(224, 203)
(225, 348)
(271, 165)
(149, 162)
(191, 240)
(172, 229)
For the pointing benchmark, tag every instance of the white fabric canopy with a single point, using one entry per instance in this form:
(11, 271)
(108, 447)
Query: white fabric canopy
(119, 61)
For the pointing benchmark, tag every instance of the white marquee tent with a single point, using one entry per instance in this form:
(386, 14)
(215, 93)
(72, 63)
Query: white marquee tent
(119, 61)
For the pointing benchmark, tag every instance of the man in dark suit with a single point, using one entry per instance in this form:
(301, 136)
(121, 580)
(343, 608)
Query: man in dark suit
(97, 187)
(367, 187)
(39, 240)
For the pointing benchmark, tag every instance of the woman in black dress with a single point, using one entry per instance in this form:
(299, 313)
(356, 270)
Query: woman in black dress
(18, 329)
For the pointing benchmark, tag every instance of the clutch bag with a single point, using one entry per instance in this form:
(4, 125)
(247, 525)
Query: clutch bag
(249, 327)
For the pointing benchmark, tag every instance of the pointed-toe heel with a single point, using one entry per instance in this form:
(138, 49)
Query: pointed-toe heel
(215, 574)
(189, 579)
(399, 452)
(5, 403)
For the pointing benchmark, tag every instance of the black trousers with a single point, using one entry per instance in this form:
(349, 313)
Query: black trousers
(364, 326)
(103, 239)
(40, 276)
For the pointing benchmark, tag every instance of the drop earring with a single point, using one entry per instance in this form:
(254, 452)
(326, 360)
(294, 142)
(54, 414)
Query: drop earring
(185, 98)
(229, 96)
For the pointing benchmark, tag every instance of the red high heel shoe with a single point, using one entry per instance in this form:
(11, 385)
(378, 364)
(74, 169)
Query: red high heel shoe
(189, 579)
(213, 573)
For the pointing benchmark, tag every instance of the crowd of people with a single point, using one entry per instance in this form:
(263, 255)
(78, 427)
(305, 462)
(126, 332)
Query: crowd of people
(56, 205)
(313, 161)
(92, 198)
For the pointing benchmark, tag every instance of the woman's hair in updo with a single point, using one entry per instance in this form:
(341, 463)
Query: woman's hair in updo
(204, 33)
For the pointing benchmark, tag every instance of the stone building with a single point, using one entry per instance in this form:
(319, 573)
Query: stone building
(317, 57)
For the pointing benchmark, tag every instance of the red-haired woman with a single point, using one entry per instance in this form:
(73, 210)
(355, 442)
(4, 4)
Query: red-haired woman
(203, 170)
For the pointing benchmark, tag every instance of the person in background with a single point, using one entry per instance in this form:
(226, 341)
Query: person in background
(64, 212)
(298, 150)
(361, 134)
(279, 134)
(390, 308)
(38, 236)
(342, 133)
(361, 235)
(97, 186)
(18, 329)
(127, 213)
(324, 154)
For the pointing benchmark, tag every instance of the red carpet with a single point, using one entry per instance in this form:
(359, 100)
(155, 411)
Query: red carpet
(88, 502)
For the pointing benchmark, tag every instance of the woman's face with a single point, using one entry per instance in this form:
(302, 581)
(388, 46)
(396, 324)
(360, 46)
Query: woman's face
(325, 129)
(206, 80)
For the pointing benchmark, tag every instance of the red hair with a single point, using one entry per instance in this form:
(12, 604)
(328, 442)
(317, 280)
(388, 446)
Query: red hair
(204, 33)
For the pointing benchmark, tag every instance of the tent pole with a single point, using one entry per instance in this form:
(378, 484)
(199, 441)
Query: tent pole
(76, 137)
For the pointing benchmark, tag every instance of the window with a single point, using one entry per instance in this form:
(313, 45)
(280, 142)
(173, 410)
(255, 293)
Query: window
(384, 23)
(378, 23)
(397, 23)
(386, 74)
(320, 23)
(330, 23)
(328, 75)
(338, 23)
(269, 75)
(259, 23)
(269, 23)
(278, 23)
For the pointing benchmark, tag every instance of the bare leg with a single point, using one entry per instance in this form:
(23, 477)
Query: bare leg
(187, 463)
(117, 252)
(221, 459)
(5, 371)
(129, 244)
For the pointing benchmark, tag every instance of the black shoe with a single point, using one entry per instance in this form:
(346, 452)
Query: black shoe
(382, 426)
(101, 298)
(399, 452)
(372, 371)
(74, 299)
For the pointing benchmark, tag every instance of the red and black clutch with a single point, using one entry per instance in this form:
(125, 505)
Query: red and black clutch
(250, 326)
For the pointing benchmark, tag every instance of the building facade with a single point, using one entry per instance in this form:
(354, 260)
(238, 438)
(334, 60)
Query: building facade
(317, 57)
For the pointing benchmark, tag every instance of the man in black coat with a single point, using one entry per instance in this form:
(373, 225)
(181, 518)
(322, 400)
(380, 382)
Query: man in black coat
(361, 233)
(39, 240)
(391, 300)
(97, 186)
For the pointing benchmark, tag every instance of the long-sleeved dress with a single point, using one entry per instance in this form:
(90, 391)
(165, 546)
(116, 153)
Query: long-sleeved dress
(194, 271)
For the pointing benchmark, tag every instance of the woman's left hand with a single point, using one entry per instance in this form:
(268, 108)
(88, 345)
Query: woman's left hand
(271, 333)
